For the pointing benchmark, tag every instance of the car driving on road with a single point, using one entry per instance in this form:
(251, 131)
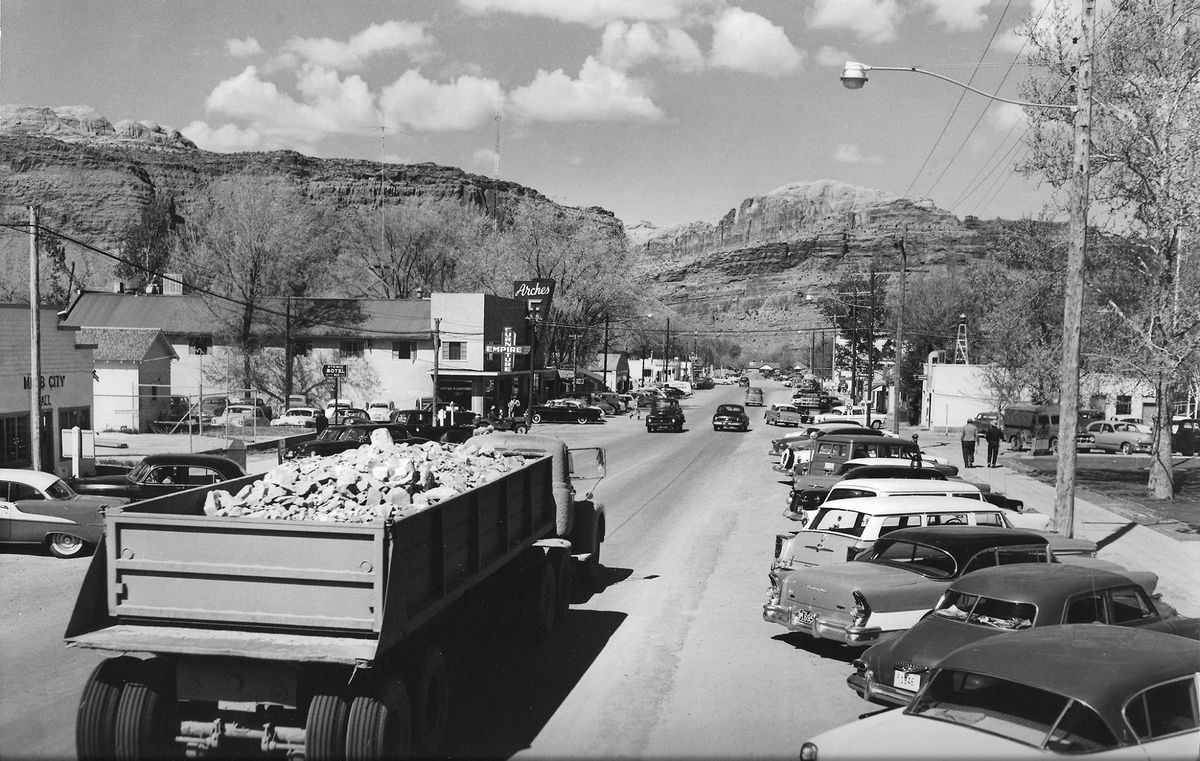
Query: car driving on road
(731, 417)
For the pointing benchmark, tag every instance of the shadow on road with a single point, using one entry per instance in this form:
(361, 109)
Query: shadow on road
(504, 694)
(605, 578)
(823, 647)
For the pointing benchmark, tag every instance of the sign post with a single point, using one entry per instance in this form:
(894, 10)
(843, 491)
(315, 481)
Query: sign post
(337, 372)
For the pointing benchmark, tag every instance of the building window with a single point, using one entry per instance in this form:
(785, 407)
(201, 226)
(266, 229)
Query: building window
(1124, 405)
(14, 440)
(454, 350)
(69, 417)
(301, 348)
(200, 345)
(351, 348)
(402, 350)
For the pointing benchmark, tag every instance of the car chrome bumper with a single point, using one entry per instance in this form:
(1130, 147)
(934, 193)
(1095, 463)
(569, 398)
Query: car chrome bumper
(819, 627)
(868, 689)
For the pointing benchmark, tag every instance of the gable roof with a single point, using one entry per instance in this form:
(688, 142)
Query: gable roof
(125, 344)
(198, 315)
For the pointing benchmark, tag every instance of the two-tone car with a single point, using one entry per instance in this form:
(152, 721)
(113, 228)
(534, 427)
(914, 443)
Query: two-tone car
(996, 601)
(889, 587)
(1078, 691)
(730, 417)
(41, 509)
(1114, 436)
(160, 474)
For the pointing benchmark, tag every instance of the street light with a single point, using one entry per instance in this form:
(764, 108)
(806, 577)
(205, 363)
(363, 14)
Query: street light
(854, 76)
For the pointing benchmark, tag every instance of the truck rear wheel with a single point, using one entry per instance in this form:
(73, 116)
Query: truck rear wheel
(325, 728)
(379, 725)
(98, 709)
(145, 724)
(540, 608)
(430, 702)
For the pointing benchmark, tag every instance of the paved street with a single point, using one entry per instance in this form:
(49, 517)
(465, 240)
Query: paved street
(669, 659)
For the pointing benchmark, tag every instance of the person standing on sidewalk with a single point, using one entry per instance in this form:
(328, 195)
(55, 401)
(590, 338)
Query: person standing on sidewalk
(993, 434)
(970, 433)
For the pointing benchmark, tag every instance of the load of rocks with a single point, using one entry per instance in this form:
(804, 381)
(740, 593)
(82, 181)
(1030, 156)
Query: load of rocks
(378, 481)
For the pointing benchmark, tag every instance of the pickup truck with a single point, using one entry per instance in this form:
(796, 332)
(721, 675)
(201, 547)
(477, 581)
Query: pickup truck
(318, 639)
(665, 414)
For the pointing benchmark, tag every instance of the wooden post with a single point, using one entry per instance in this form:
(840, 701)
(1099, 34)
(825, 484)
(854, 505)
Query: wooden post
(899, 350)
(35, 345)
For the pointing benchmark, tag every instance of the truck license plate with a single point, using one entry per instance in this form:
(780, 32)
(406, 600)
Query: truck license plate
(805, 617)
(907, 681)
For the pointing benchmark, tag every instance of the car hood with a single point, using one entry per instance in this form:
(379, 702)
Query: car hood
(816, 548)
(925, 643)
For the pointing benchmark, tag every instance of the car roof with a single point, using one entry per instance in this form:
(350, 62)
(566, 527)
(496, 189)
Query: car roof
(906, 485)
(850, 438)
(889, 505)
(1044, 584)
(37, 478)
(881, 470)
(183, 458)
(1102, 666)
(965, 540)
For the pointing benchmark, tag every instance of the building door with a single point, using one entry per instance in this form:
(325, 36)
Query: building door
(47, 423)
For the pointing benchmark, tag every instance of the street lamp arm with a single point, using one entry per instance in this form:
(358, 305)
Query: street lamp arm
(854, 76)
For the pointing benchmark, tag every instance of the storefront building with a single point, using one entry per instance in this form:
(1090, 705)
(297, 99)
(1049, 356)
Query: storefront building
(65, 388)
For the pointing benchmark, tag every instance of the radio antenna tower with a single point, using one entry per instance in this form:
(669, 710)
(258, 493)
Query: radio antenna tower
(496, 157)
(960, 342)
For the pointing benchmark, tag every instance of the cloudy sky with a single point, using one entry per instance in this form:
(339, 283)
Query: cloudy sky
(669, 111)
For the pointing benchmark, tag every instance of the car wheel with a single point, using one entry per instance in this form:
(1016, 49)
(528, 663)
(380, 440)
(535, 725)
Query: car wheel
(1054, 446)
(1126, 447)
(65, 545)
(581, 420)
(537, 418)
(877, 424)
(519, 429)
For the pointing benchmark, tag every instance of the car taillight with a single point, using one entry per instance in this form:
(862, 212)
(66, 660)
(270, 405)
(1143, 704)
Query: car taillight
(862, 611)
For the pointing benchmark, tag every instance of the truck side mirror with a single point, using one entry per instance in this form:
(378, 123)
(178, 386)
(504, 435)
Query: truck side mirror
(589, 462)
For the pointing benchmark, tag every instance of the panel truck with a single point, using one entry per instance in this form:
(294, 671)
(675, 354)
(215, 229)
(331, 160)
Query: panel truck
(241, 637)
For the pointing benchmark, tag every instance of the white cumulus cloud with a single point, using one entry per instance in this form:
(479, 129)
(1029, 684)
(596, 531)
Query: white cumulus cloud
(849, 153)
(871, 20)
(243, 48)
(958, 15)
(601, 93)
(352, 54)
(831, 56)
(592, 12)
(746, 41)
(228, 138)
(624, 46)
(423, 104)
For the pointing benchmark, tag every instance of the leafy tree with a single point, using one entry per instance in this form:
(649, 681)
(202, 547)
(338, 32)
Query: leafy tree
(1145, 138)
(145, 245)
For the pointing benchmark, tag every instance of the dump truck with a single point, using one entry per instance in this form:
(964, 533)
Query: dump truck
(318, 640)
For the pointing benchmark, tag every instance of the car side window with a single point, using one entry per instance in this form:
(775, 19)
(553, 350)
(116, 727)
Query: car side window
(1080, 730)
(989, 519)
(893, 522)
(4, 489)
(946, 519)
(23, 492)
(198, 476)
(1164, 710)
(985, 559)
(1085, 610)
(1129, 605)
(1012, 555)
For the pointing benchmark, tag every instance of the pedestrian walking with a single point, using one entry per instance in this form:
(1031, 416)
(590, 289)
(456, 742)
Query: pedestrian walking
(993, 435)
(970, 433)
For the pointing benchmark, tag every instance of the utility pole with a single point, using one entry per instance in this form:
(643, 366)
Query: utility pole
(871, 347)
(899, 349)
(35, 345)
(287, 350)
(437, 356)
(1068, 411)
(667, 351)
(606, 388)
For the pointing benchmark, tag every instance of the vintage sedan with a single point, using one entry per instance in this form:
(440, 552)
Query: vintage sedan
(1078, 691)
(887, 588)
(160, 474)
(1113, 436)
(857, 414)
(40, 508)
(730, 417)
(996, 601)
(564, 411)
(802, 501)
(302, 417)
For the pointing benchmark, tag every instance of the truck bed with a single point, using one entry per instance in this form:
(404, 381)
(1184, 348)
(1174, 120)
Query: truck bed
(168, 578)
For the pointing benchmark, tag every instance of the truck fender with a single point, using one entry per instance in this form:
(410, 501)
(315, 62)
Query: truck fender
(588, 530)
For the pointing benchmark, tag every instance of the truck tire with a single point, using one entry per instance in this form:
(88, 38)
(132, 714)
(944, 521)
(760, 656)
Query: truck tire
(540, 601)
(564, 577)
(430, 684)
(98, 709)
(379, 725)
(325, 728)
(145, 725)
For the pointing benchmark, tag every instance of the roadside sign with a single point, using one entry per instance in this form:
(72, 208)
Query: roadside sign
(335, 371)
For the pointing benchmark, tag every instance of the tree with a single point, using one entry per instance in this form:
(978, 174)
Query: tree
(250, 244)
(145, 245)
(1145, 138)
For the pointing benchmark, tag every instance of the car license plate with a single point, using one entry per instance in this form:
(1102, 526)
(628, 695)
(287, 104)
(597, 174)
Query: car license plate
(907, 681)
(804, 617)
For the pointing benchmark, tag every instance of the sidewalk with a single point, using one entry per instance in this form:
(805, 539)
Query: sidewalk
(1176, 561)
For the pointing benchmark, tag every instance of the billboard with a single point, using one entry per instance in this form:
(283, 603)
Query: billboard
(537, 295)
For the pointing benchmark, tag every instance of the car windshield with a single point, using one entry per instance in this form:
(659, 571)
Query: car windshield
(59, 490)
(849, 522)
(139, 472)
(988, 612)
(1025, 714)
(931, 562)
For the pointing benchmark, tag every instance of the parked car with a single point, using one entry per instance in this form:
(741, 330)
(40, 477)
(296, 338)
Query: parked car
(160, 474)
(703, 384)
(564, 411)
(305, 417)
(1007, 599)
(665, 415)
(854, 487)
(1023, 423)
(454, 428)
(1080, 691)
(380, 410)
(730, 417)
(241, 416)
(342, 438)
(782, 414)
(857, 413)
(887, 588)
(810, 431)
(802, 502)
(613, 400)
(1113, 436)
(754, 396)
(830, 451)
(40, 508)
(348, 416)
(1185, 436)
